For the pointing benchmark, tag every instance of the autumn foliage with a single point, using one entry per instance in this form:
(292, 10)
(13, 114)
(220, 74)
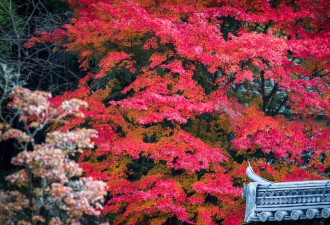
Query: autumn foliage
(184, 93)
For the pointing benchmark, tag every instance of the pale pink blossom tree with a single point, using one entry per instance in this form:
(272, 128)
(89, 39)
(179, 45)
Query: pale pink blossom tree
(49, 188)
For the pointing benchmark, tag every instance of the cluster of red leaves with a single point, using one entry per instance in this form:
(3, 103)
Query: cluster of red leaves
(178, 38)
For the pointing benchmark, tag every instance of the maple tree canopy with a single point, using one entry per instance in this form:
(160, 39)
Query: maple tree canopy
(183, 93)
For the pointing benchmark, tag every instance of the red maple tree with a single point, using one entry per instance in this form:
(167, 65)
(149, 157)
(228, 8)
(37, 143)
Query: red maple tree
(159, 70)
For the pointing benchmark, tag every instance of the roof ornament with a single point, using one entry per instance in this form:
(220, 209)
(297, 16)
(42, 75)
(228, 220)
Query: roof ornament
(253, 176)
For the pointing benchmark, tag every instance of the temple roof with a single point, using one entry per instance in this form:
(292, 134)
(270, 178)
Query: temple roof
(279, 201)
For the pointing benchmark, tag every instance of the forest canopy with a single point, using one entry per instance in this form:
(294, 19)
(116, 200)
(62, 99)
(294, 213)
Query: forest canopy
(173, 99)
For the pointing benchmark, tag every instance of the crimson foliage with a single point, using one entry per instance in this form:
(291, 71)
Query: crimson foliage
(183, 93)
